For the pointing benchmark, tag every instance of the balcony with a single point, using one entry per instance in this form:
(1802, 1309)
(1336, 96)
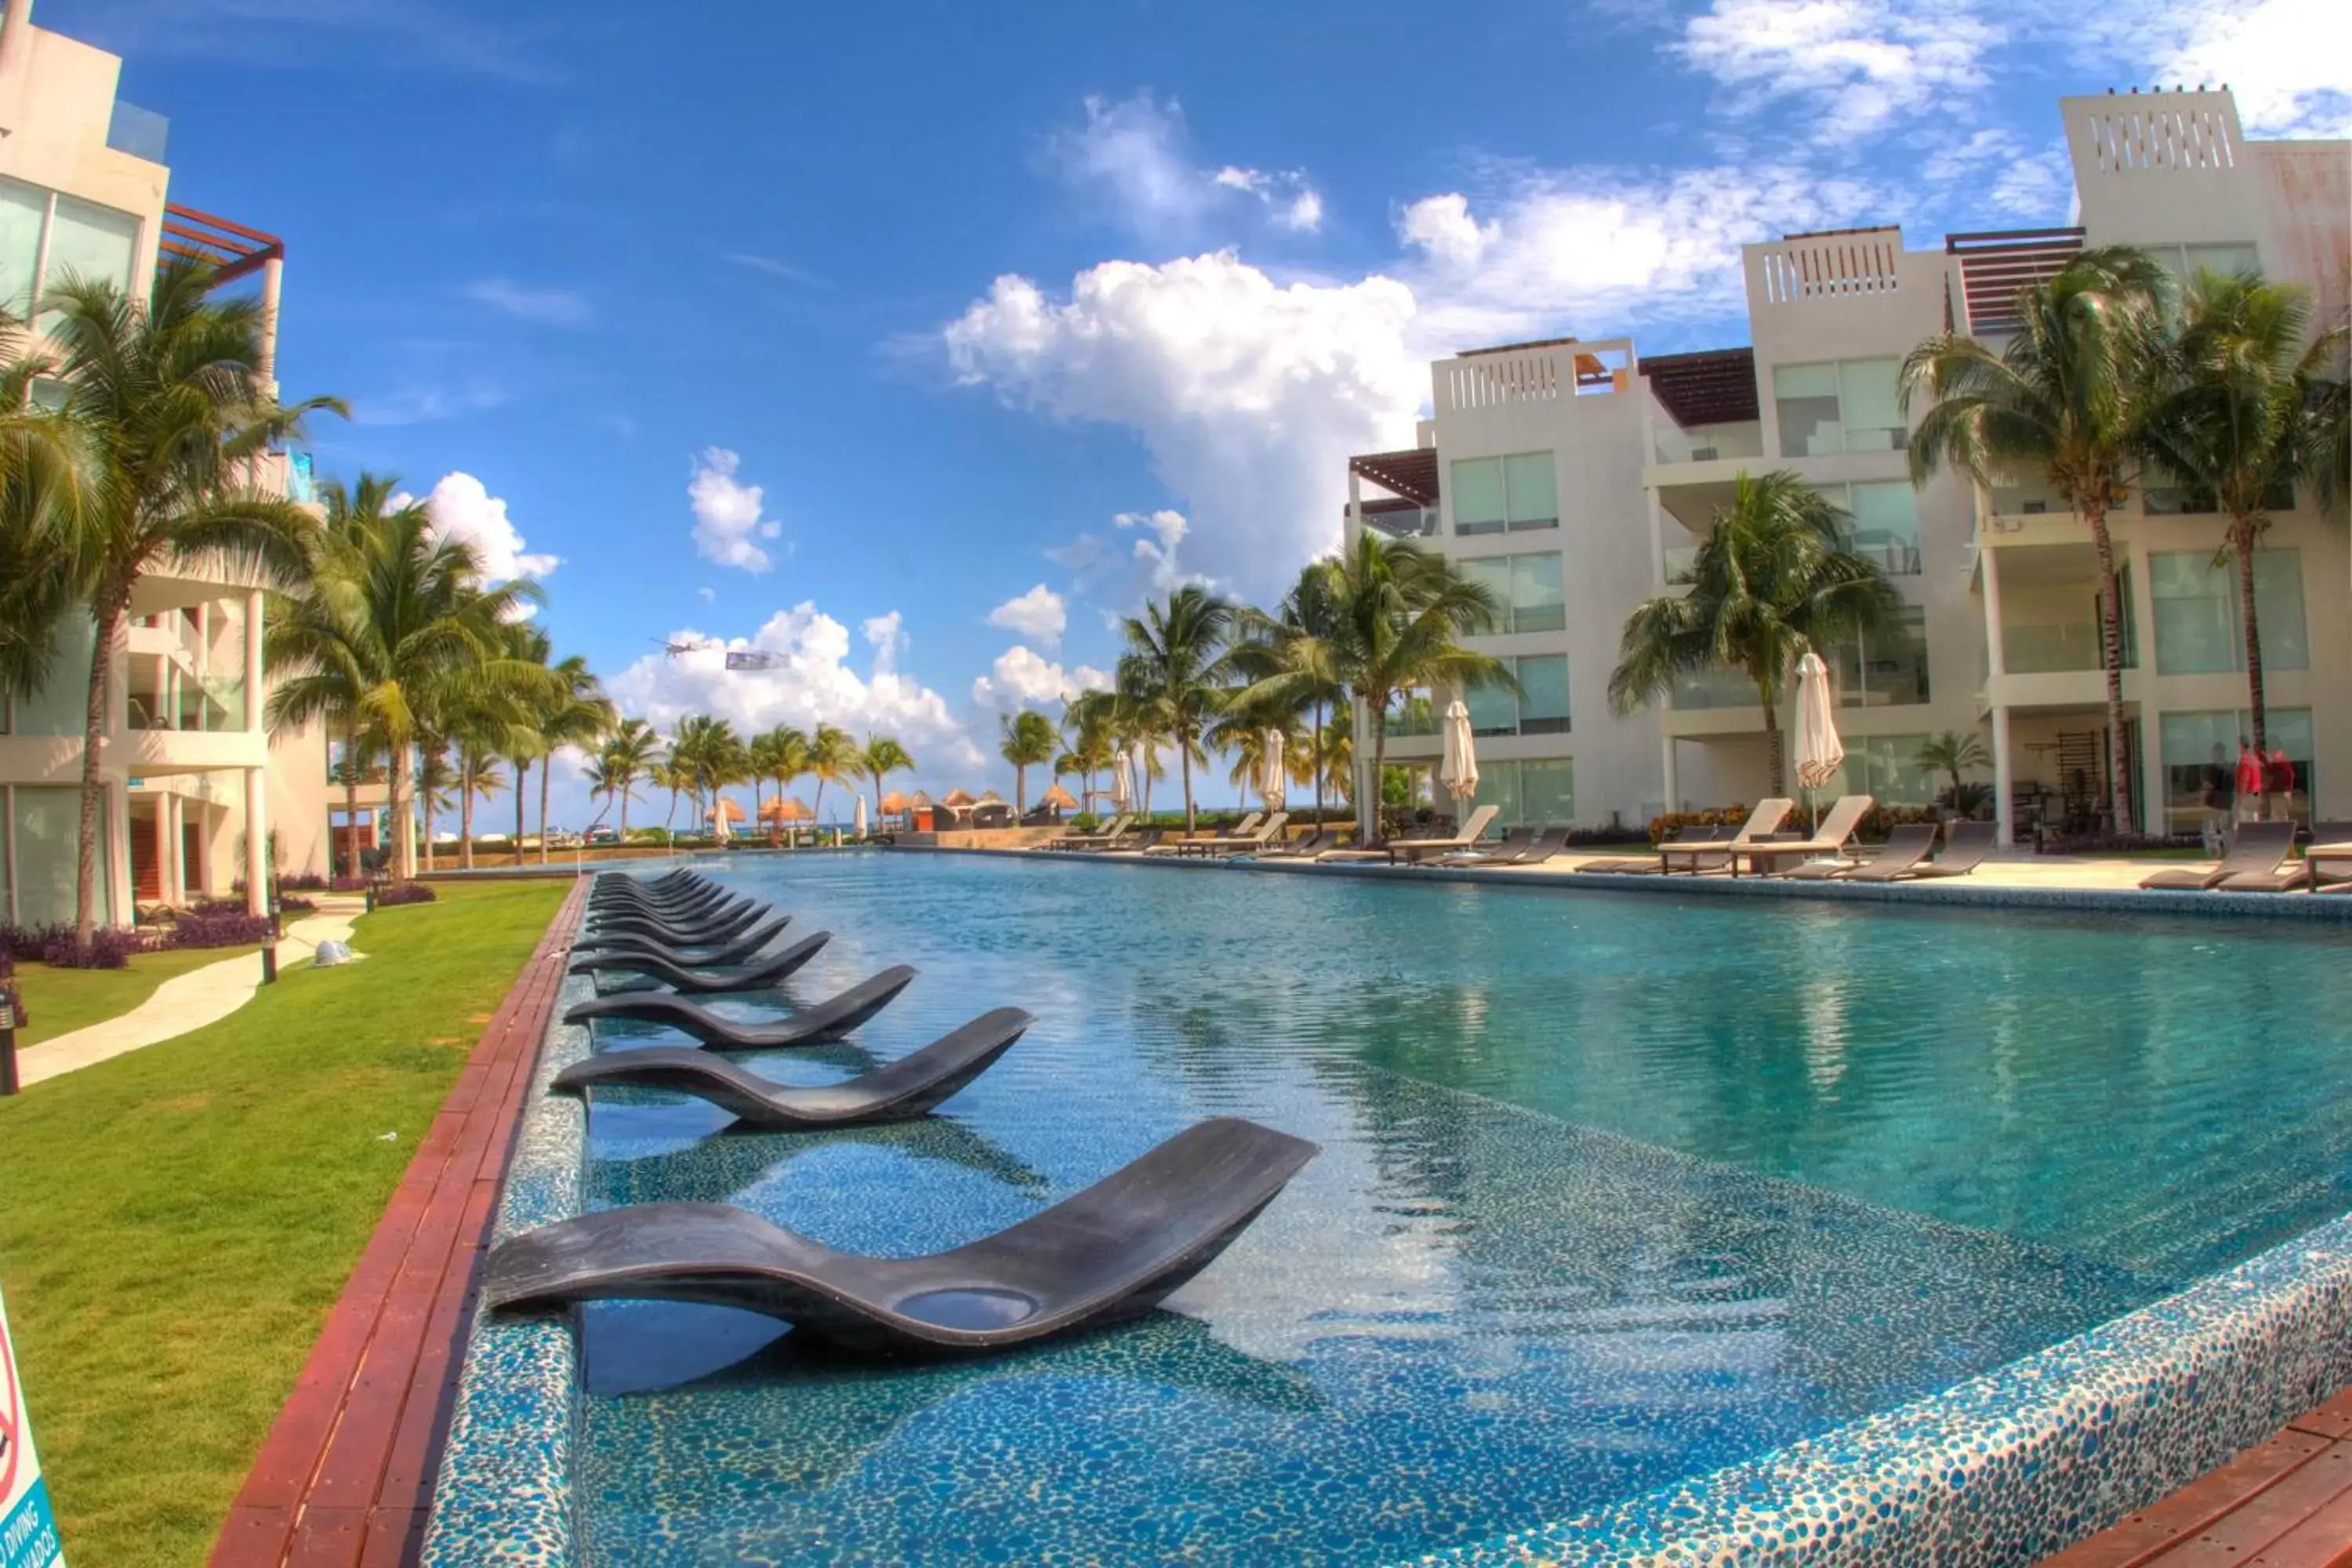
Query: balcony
(1549, 371)
(144, 751)
(1401, 519)
(141, 133)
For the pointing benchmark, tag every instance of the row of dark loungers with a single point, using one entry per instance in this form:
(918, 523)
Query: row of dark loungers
(1112, 1251)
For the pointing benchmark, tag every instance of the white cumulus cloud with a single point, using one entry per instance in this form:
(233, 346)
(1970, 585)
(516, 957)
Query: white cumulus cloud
(1038, 614)
(461, 508)
(2286, 60)
(727, 526)
(1857, 64)
(1249, 394)
(1022, 678)
(810, 681)
(1134, 151)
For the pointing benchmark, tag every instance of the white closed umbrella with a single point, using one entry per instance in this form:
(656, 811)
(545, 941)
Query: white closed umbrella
(1122, 783)
(1458, 771)
(1820, 753)
(719, 821)
(861, 817)
(1270, 779)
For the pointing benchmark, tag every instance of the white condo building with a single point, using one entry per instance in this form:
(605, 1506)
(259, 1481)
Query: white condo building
(195, 784)
(1576, 478)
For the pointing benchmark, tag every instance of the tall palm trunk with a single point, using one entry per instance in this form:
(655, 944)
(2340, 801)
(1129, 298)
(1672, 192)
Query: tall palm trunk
(1021, 788)
(522, 768)
(1185, 766)
(1776, 753)
(2111, 661)
(1315, 758)
(2241, 544)
(546, 777)
(395, 805)
(465, 811)
(1368, 814)
(109, 611)
(352, 797)
(625, 782)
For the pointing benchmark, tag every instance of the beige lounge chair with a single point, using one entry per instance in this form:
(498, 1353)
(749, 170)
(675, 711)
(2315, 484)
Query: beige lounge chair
(2257, 848)
(1413, 850)
(1248, 843)
(1091, 840)
(1834, 838)
(1647, 864)
(2328, 857)
(1696, 858)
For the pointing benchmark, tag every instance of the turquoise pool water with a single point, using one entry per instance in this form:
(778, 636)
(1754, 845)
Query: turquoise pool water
(1615, 1190)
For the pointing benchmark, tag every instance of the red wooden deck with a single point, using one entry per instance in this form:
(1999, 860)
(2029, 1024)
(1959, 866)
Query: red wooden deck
(346, 1475)
(2284, 1503)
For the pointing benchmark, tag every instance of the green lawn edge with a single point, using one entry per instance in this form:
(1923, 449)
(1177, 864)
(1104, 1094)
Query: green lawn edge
(179, 1220)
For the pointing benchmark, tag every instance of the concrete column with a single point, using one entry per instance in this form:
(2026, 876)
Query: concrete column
(265, 368)
(1355, 506)
(1673, 774)
(2155, 815)
(168, 876)
(256, 841)
(1657, 520)
(115, 864)
(2004, 777)
(1990, 562)
(253, 661)
(16, 40)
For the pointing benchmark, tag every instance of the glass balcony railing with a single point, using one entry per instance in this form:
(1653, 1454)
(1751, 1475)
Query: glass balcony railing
(1403, 522)
(1682, 563)
(2049, 649)
(141, 132)
(1716, 689)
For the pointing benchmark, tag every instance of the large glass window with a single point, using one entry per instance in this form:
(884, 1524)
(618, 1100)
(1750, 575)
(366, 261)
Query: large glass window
(1494, 494)
(1886, 670)
(1543, 707)
(1883, 523)
(1493, 709)
(61, 706)
(2197, 624)
(1539, 600)
(1887, 768)
(1845, 405)
(2196, 745)
(23, 210)
(44, 825)
(1538, 793)
(1527, 588)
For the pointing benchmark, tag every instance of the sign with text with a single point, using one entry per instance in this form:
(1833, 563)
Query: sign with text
(28, 1532)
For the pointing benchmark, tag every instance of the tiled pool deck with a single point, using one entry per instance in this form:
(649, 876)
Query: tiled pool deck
(1999, 1469)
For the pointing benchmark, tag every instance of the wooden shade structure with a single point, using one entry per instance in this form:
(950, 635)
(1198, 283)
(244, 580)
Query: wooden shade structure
(784, 809)
(732, 812)
(958, 797)
(894, 804)
(1058, 797)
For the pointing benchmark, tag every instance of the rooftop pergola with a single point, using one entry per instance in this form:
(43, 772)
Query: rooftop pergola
(1411, 474)
(1713, 386)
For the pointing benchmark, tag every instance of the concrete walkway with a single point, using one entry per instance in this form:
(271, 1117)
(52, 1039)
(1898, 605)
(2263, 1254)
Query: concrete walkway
(187, 1000)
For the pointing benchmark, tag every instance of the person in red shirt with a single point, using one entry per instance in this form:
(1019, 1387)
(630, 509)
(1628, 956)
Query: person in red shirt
(2278, 784)
(2250, 782)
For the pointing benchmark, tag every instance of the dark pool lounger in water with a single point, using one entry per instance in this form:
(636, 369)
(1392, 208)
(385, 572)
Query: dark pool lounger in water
(760, 973)
(897, 1091)
(1113, 1251)
(832, 1016)
(700, 906)
(622, 890)
(690, 956)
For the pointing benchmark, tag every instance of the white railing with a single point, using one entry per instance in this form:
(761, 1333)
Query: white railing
(1833, 267)
(1490, 381)
(2155, 134)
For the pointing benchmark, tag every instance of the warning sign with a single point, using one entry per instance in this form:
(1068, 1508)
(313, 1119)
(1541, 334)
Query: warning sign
(28, 1531)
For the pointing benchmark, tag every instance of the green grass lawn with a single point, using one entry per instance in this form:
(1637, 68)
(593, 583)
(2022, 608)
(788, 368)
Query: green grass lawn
(178, 1221)
(63, 1000)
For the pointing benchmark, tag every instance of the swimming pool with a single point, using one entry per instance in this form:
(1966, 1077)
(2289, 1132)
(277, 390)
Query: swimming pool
(1616, 1190)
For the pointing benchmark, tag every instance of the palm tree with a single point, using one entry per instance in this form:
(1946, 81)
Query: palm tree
(572, 711)
(1291, 657)
(175, 417)
(392, 618)
(1090, 717)
(2241, 425)
(781, 754)
(486, 711)
(1336, 755)
(885, 756)
(1954, 751)
(1772, 580)
(1174, 670)
(47, 475)
(1400, 614)
(833, 757)
(1029, 741)
(2069, 397)
(627, 757)
(666, 774)
(1242, 729)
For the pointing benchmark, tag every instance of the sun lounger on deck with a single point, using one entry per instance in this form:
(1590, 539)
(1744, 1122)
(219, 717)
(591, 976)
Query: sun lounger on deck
(826, 1020)
(1112, 1251)
(1103, 839)
(1518, 846)
(1240, 842)
(898, 1091)
(2328, 857)
(1649, 865)
(1716, 856)
(1834, 838)
(1413, 850)
(1966, 846)
(1314, 843)
(2258, 850)
(1907, 844)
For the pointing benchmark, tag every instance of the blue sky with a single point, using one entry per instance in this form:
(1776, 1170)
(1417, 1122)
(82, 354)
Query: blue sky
(918, 344)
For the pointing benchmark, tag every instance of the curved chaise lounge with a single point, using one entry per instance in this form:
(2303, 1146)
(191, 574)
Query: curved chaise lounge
(1113, 1251)
(834, 1016)
(699, 955)
(620, 893)
(687, 904)
(721, 927)
(760, 974)
(899, 1091)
